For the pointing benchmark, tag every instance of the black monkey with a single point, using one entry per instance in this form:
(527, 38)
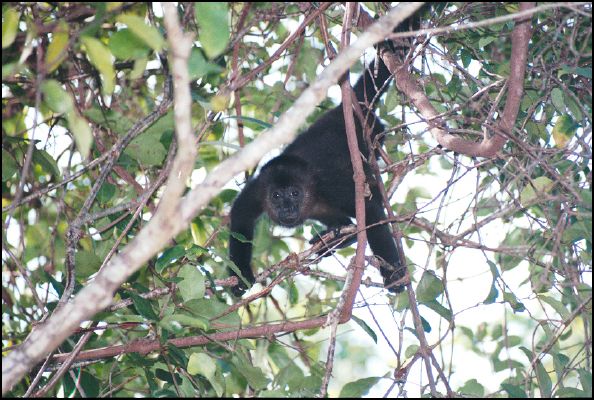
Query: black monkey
(313, 179)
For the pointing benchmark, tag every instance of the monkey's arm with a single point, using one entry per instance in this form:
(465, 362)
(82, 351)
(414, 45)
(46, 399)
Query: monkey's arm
(382, 244)
(244, 213)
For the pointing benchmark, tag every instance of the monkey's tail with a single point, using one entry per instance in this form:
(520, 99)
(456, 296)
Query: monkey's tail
(372, 84)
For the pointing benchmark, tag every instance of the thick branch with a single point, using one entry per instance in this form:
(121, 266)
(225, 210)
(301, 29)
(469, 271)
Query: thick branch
(489, 147)
(145, 346)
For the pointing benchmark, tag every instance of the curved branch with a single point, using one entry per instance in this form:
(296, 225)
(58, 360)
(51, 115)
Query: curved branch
(489, 147)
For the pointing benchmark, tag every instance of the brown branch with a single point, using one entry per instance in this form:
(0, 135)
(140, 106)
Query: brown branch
(55, 379)
(145, 346)
(344, 308)
(356, 269)
(235, 72)
(489, 147)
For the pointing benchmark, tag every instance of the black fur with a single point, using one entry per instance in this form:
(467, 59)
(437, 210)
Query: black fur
(313, 179)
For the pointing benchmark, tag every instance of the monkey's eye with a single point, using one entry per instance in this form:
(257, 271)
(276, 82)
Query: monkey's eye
(275, 195)
(295, 193)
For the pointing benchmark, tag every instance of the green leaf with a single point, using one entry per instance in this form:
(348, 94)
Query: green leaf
(147, 33)
(58, 48)
(535, 188)
(583, 71)
(426, 325)
(393, 99)
(484, 41)
(143, 307)
(366, 328)
(101, 58)
(148, 148)
(294, 294)
(57, 286)
(514, 391)
(202, 364)
(87, 263)
(55, 97)
(194, 252)
(109, 119)
(168, 256)
(106, 192)
(245, 119)
(544, 380)
(175, 322)
(517, 236)
(571, 393)
(429, 287)
(46, 162)
(89, 384)
(192, 286)
(579, 230)
(253, 375)
(10, 26)
(557, 99)
(411, 350)
(472, 388)
(9, 166)
(492, 296)
(527, 352)
(516, 305)
(211, 308)
(290, 376)
(560, 362)
(212, 18)
(198, 66)
(573, 107)
(187, 388)
(541, 279)
(125, 45)
(139, 68)
(439, 309)
(586, 381)
(83, 136)
(563, 130)
(493, 268)
(466, 57)
(358, 388)
(557, 306)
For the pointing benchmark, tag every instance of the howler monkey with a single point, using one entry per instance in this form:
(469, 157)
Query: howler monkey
(313, 179)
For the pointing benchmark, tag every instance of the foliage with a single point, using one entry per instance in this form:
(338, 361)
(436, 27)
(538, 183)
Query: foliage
(500, 249)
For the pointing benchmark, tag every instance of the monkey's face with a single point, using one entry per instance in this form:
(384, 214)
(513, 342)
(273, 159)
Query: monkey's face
(285, 205)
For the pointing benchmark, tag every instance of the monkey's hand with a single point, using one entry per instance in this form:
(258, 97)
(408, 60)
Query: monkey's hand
(334, 238)
(239, 289)
(395, 277)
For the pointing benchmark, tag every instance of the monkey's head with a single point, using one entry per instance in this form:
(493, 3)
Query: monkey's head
(288, 185)
(285, 204)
